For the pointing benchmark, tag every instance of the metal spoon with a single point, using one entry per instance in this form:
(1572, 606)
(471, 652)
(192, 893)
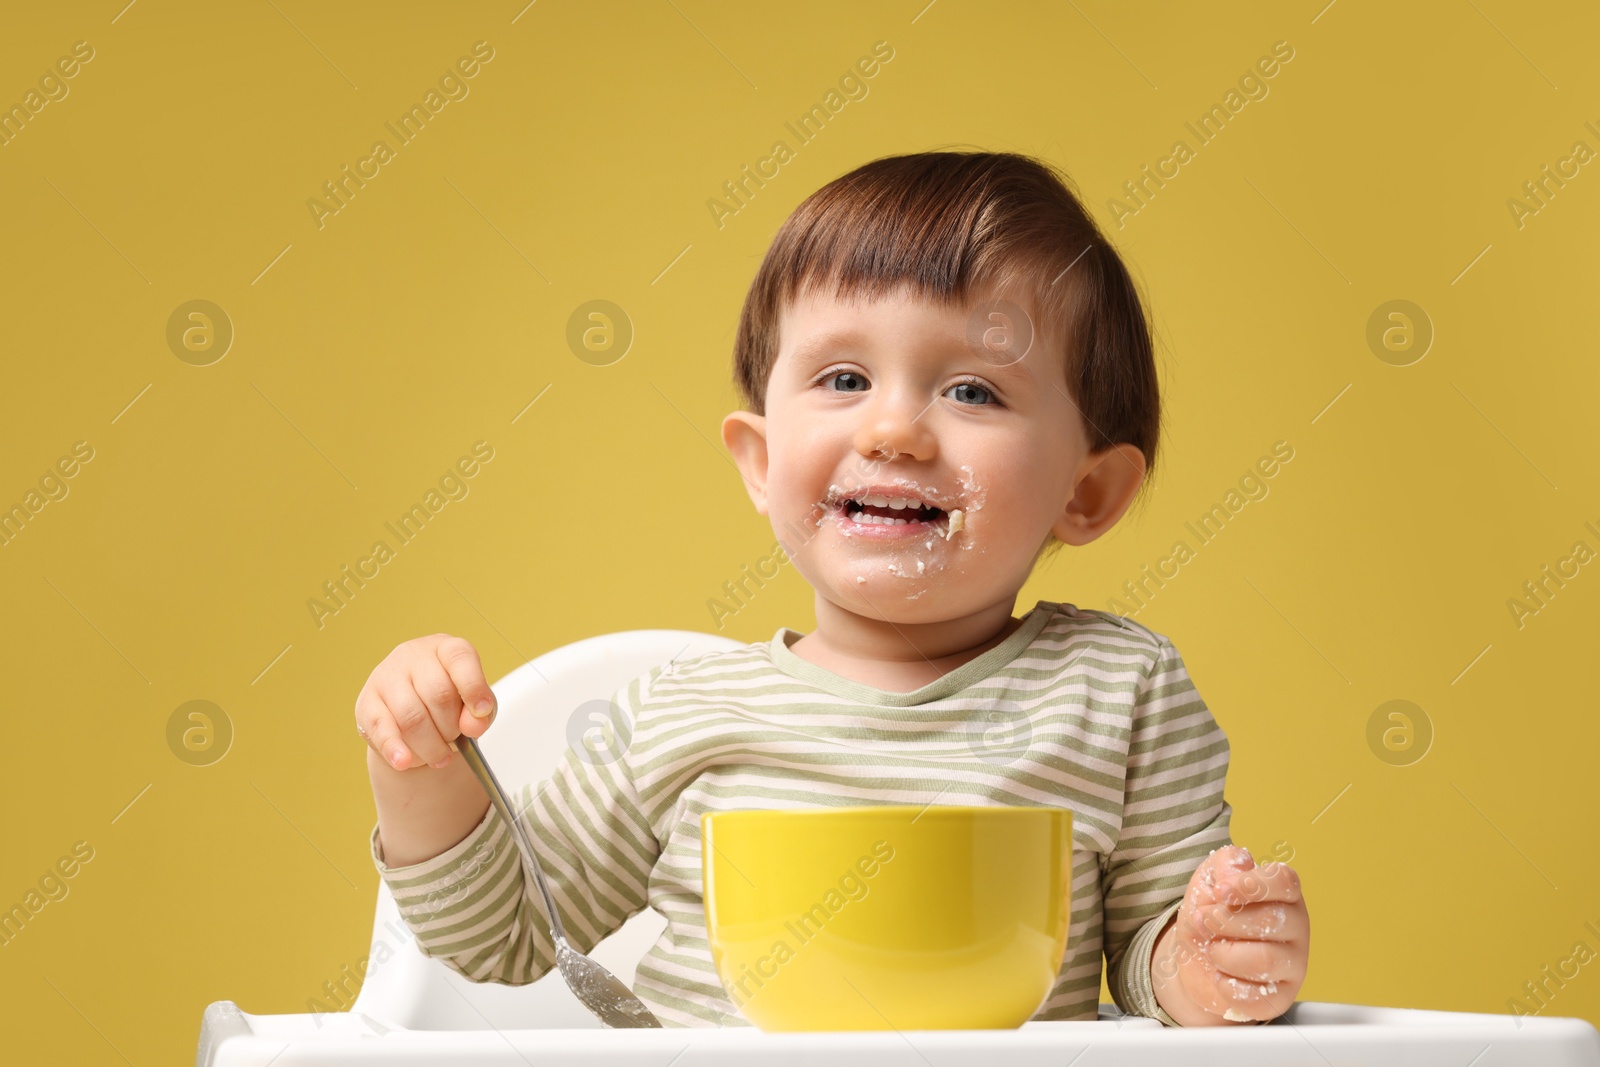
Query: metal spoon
(595, 987)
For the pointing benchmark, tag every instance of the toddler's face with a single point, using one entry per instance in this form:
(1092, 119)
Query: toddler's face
(870, 405)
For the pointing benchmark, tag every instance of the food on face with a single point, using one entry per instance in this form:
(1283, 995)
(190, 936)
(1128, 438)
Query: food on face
(957, 523)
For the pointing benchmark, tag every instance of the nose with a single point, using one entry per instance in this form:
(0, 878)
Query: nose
(896, 424)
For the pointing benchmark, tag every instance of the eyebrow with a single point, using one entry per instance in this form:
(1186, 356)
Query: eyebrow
(813, 348)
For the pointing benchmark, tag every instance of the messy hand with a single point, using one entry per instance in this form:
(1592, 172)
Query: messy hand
(1238, 948)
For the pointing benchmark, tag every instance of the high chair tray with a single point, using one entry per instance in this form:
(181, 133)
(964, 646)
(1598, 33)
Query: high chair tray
(1309, 1033)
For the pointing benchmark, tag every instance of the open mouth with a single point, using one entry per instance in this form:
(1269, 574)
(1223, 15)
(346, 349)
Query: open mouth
(891, 511)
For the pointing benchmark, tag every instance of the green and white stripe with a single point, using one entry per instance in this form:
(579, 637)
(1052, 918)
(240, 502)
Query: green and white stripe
(1115, 731)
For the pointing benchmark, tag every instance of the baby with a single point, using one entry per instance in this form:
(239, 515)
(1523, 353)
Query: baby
(947, 371)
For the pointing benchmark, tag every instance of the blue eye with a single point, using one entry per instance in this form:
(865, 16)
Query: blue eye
(973, 387)
(848, 374)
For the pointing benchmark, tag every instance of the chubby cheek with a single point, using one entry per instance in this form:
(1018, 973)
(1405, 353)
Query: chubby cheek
(792, 508)
(1012, 517)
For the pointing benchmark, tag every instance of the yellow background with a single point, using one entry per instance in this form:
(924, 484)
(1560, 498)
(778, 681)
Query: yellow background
(371, 353)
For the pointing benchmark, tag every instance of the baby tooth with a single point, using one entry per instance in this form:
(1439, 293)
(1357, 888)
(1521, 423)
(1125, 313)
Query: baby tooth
(898, 503)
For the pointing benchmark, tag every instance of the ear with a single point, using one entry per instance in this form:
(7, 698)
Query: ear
(1106, 484)
(745, 436)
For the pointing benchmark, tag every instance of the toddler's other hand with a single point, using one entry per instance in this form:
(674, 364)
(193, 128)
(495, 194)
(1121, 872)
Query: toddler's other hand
(1238, 948)
(425, 694)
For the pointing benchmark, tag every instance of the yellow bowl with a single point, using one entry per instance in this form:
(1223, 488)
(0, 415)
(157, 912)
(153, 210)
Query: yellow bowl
(895, 917)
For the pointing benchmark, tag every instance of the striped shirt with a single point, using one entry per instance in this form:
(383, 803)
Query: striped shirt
(1077, 708)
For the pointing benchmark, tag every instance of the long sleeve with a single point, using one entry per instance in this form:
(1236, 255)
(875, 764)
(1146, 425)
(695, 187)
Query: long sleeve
(474, 906)
(1174, 815)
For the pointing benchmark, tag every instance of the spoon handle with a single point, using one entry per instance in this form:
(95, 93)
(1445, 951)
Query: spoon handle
(468, 747)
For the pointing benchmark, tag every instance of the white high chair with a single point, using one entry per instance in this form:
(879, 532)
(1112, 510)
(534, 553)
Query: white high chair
(417, 1010)
(529, 733)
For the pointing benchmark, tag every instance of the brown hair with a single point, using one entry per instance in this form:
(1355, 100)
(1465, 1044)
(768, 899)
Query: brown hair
(953, 225)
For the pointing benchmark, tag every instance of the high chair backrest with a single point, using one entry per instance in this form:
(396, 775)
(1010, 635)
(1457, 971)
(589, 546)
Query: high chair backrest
(536, 702)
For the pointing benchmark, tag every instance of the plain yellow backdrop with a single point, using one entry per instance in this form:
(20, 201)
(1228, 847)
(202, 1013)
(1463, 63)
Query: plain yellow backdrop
(372, 350)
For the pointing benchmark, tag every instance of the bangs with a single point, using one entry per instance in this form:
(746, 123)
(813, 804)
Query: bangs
(949, 235)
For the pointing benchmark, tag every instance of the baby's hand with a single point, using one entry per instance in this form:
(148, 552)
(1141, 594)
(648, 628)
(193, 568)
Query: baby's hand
(1239, 946)
(424, 695)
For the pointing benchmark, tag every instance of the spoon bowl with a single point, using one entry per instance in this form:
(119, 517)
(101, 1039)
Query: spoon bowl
(595, 987)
